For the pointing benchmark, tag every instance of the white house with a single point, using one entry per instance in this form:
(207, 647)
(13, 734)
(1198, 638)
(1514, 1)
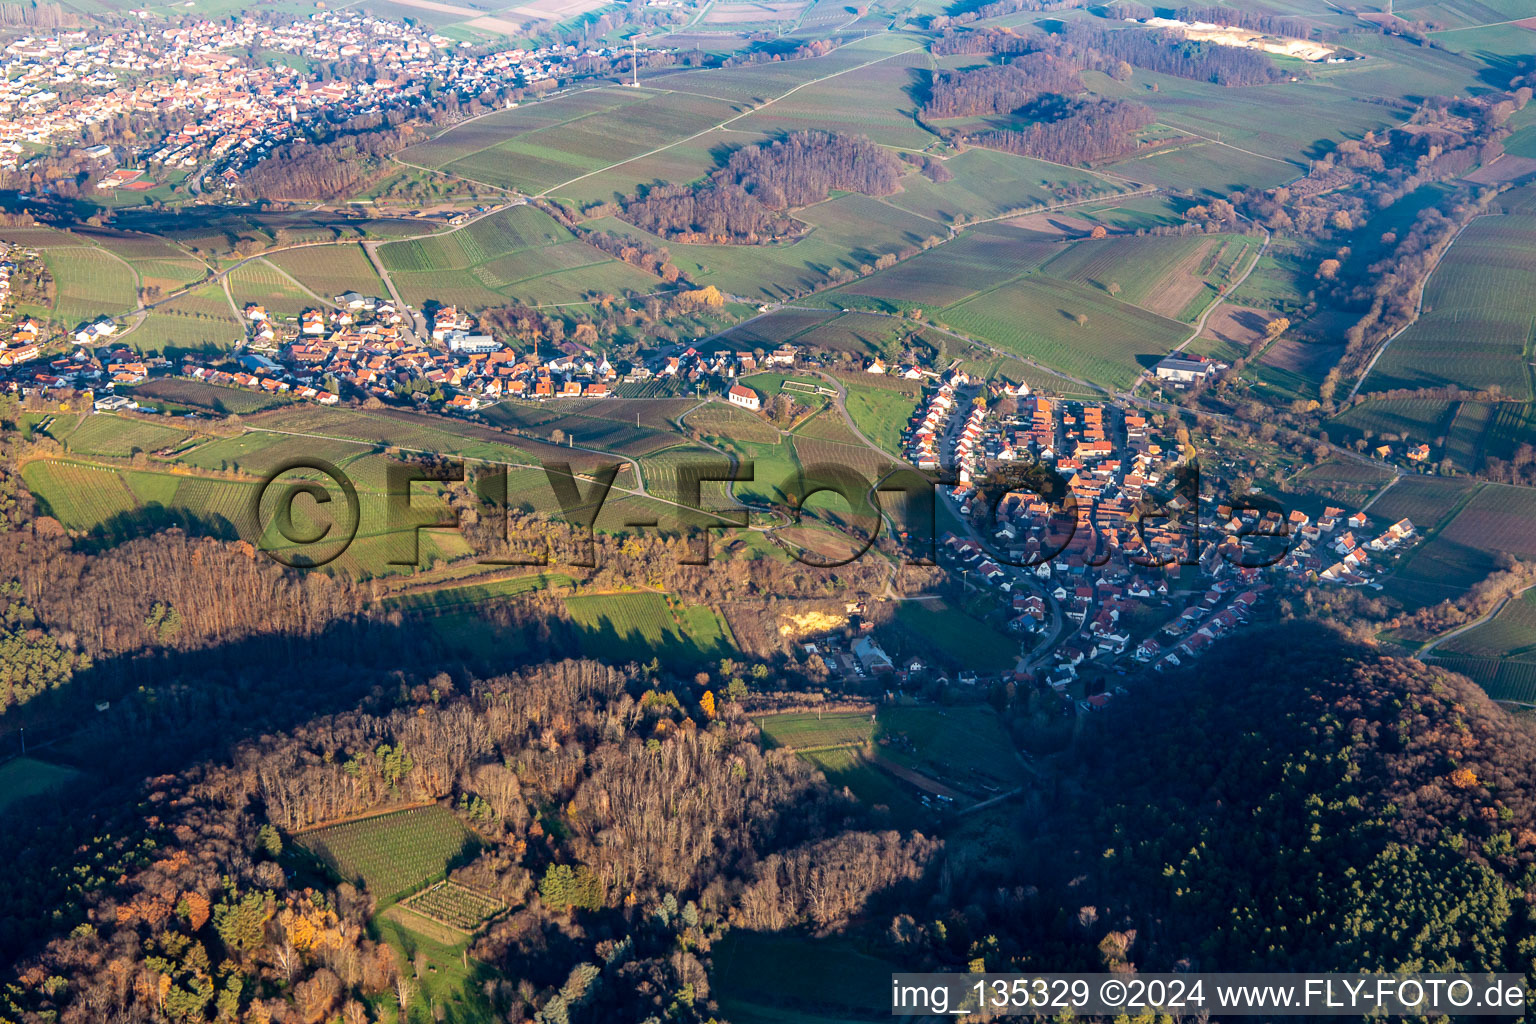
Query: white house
(744, 397)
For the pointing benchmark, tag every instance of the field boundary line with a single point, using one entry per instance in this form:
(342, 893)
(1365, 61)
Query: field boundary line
(1418, 310)
(746, 113)
(365, 816)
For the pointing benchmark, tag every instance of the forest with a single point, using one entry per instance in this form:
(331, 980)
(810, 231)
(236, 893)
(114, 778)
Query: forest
(1072, 131)
(747, 200)
(1001, 88)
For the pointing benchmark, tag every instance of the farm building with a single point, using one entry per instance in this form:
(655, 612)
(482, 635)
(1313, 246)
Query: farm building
(1182, 370)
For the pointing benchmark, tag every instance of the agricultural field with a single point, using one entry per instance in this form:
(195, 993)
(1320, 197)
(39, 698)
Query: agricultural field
(454, 905)
(1509, 634)
(330, 270)
(520, 254)
(1422, 420)
(199, 320)
(1075, 330)
(1490, 521)
(394, 853)
(874, 101)
(1505, 679)
(814, 730)
(162, 276)
(265, 284)
(80, 496)
(90, 283)
(1173, 277)
(184, 393)
(543, 159)
(965, 747)
(121, 437)
(1342, 482)
(718, 420)
(948, 273)
(988, 184)
(638, 627)
(1476, 331)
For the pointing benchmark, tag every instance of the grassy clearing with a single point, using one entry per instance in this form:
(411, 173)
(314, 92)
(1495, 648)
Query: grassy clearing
(811, 730)
(964, 746)
(25, 777)
(791, 979)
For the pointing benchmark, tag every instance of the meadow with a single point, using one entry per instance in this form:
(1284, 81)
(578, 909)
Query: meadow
(392, 854)
(951, 634)
(638, 627)
(816, 730)
(1477, 309)
(24, 777)
(964, 746)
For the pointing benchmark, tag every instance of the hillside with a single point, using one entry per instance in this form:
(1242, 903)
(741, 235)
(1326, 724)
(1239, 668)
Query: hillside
(1300, 803)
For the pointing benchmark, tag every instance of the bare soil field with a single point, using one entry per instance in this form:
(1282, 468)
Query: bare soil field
(1237, 325)
(1505, 168)
(1054, 225)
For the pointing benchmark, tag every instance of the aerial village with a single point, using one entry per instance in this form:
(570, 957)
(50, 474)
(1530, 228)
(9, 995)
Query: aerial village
(1090, 586)
(242, 108)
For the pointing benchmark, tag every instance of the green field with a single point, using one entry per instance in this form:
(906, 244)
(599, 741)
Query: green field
(813, 730)
(89, 283)
(329, 270)
(1477, 330)
(964, 746)
(392, 854)
(851, 769)
(263, 283)
(638, 627)
(25, 777)
(790, 979)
